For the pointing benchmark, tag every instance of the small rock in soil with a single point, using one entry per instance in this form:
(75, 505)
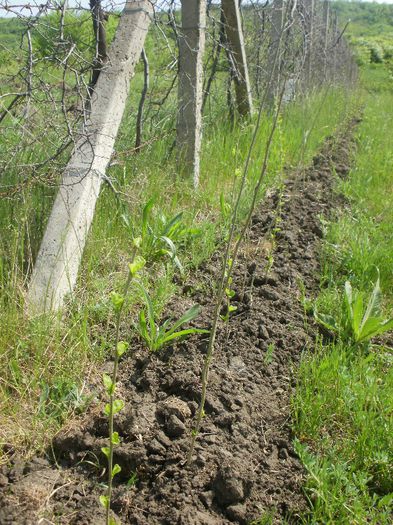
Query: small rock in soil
(228, 486)
(174, 427)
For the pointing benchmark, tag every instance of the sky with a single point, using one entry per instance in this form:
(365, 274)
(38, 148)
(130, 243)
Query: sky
(27, 7)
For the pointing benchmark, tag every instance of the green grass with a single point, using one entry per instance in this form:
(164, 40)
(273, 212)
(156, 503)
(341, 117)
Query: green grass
(53, 355)
(343, 406)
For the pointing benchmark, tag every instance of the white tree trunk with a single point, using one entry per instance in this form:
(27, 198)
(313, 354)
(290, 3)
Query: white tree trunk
(58, 261)
(189, 119)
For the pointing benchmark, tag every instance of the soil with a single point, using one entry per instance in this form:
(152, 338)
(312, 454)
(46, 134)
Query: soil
(244, 462)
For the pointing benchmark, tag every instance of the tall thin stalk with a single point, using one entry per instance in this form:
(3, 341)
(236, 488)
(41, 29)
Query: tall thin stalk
(226, 268)
(114, 405)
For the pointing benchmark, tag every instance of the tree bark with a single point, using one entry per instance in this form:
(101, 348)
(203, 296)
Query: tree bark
(190, 87)
(234, 31)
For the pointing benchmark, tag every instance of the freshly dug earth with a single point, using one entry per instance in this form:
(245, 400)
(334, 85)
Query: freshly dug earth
(244, 463)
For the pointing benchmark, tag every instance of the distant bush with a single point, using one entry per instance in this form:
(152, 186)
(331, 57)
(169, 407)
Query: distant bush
(376, 54)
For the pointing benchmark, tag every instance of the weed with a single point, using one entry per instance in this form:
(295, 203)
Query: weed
(357, 325)
(156, 336)
(161, 235)
(268, 358)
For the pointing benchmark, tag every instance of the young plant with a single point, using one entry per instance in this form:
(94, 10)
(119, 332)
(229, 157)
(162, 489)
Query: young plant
(229, 294)
(155, 335)
(114, 406)
(161, 235)
(356, 324)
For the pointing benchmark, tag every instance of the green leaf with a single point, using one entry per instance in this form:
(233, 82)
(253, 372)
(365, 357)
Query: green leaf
(188, 316)
(175, 221)
(121, 348)
(104, 501)
(136, 265)
(107, 409)
(181, 333)
(229, 293)
(232, 308)
(145, 216)
(115, 438)
(118, 404)
(357, 312)
(327, 321)
(116, 469)
(137, 242)
(374, 305)
(109, 386)
(117, 301)
(133, 479)
(150, 313)
(106, 451)
(143, 326)
(375, 327)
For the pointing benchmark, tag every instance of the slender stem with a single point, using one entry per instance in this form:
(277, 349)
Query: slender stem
(225, 271)
(112, 395)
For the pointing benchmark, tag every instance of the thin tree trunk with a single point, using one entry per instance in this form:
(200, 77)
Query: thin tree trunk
(139, 118)
(100, 41)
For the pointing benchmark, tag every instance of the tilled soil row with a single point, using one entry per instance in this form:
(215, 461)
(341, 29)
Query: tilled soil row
(244, 462)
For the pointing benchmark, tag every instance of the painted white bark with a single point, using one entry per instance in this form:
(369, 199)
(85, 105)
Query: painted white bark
(189, 119)
(234, 31)
(61, 250)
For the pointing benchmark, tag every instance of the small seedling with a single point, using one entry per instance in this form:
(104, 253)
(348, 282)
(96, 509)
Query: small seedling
(155, 335)
(229, 294)
(356, 324)
(269, 354)
(133, 480)
(114, 406)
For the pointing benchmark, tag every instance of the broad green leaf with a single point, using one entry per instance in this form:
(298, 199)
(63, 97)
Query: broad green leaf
(106, 451)
(178, 264)
(104, 501)
(232, 308)
(118, 404)
(115, 438)
(143, 325)
(107, 409)
(374, 305)
(116, 469)
(188, 316)
(327, 321)
(348, 295)
(117, 301)
(357, 313)
(181, 333)
(121, 348)
(109, 386)
(136, 265)
(375, 327)
(229, 293)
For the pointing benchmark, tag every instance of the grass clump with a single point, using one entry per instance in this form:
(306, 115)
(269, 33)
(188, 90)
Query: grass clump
(343, 406)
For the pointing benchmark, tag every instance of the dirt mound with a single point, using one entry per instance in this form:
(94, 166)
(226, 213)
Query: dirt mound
(244, 463)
